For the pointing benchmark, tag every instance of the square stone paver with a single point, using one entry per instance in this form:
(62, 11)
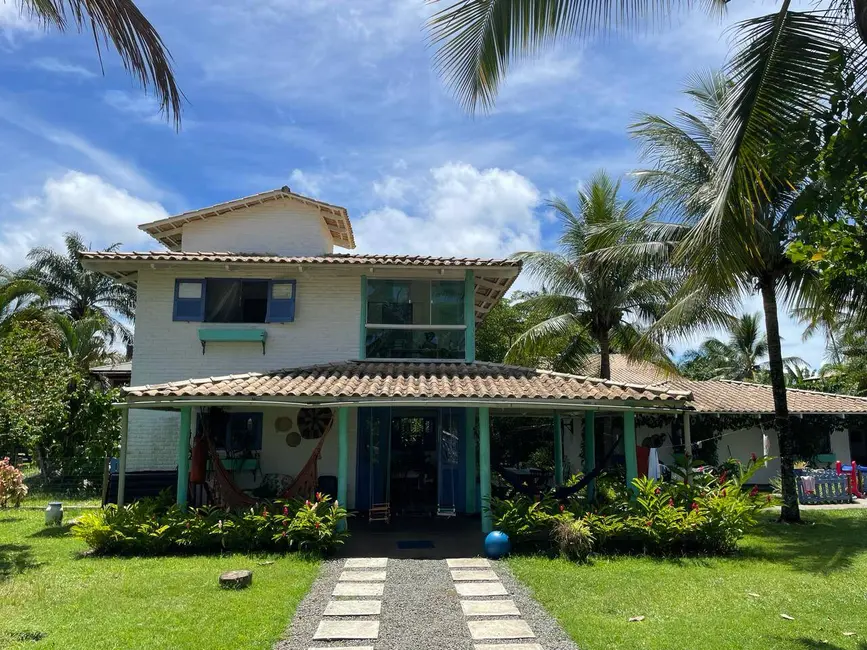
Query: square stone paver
(358, 589)
(489, 608)
(499, 630)
(362, 576)
(473, 575)
(498, 646)
(469, 563)
(339, 630)
(368, 647)
(366, 563)
(470, 589)
(353, 608)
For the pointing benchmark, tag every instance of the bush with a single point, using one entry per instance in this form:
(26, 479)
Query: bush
(710, 515)
(158, 527)
(12, 486)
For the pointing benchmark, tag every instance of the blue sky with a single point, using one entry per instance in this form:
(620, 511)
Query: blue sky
(337, 100)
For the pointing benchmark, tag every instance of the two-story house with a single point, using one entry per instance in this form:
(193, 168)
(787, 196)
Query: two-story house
(369, 359)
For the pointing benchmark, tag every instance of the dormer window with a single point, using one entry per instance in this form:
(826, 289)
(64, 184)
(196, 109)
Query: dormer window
(234, 300)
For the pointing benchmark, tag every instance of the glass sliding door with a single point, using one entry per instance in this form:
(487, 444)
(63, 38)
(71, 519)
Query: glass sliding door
(450, 460)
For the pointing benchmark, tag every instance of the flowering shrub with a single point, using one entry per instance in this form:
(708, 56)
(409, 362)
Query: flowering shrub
(709, 515)
(152, 527)
(12, 488)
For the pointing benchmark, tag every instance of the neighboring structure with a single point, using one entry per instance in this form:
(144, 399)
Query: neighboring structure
(114, 374)
(739, 398)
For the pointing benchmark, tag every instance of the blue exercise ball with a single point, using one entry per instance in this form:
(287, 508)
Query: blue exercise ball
(497, 545)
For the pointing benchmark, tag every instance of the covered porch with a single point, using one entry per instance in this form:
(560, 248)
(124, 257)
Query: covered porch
(377, 410)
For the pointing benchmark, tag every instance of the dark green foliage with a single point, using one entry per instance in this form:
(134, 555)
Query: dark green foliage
(158, 527)
(708, 516)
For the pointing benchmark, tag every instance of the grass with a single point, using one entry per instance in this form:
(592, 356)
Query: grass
(815, 573)
(52, 597)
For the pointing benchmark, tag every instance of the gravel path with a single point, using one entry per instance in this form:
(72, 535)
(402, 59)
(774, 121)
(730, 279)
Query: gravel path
(420, 611)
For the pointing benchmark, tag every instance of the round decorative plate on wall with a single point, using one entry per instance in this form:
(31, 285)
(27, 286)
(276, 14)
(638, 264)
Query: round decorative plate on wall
(313, 423)
(283, 424)
(293, 439)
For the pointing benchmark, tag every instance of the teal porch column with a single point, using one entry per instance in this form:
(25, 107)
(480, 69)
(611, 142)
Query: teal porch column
(184, 456)
(590, 450)
(470, 458)
(362, 337)
(470, 317)
(485, 468)
(629, 447)
(558, 449)
(343, 456)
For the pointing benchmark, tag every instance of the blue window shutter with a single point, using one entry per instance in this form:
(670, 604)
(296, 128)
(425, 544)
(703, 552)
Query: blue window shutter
(188, 306)
(281, 301)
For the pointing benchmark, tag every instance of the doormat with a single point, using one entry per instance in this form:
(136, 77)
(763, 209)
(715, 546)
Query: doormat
(408, 544)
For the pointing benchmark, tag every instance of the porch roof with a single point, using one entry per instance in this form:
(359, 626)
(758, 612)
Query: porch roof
(372, 381)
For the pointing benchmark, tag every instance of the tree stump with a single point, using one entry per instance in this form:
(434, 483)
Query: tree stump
(236, 579)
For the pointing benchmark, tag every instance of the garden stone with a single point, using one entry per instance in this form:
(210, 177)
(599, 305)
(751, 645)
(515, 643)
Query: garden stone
(499, 630)
(236, 579)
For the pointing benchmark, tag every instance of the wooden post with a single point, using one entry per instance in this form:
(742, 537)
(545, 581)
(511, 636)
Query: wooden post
(470, 317)
(470, 458)
(184, 456)
(687, 445)
(590, 450)
(558, 450)
(106, 477)
(629, 448)
(121, 461)
(343, 456)
(485, 468)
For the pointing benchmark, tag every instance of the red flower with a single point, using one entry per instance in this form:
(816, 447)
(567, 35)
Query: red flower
(319, 496)
(307, 503)
(285, 511)
(694, 506)
(317, 524)
(754, 491)
(657, 491)
(753, 457)
(769, 498)
(671, 503)
(562, 507)
(722, 478)
(723, 492)
(264, 513)
(649, 523)
(284, 534)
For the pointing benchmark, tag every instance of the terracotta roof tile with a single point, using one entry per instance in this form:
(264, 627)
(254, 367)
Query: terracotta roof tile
(398, 380)
(728, 396)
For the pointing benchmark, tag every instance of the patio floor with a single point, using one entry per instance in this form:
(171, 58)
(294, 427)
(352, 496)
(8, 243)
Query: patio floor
(415, 538)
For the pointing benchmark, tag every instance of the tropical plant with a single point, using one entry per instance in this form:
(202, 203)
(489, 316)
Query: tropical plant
(19, 299)
(78, 292)
(591, 304)
(142, 51)
(12, 487)
(718, 274)
(84, 341)
(742, 357)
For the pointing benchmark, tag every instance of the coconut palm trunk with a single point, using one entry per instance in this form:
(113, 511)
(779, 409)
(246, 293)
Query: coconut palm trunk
(790, 511)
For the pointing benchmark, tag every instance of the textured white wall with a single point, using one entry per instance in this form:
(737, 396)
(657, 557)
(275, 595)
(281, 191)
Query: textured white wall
(325, 329)
(280, 227)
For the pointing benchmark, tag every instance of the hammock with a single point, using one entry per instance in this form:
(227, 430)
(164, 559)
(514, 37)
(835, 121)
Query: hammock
(562, 492)
(305, 483)
(230, 494)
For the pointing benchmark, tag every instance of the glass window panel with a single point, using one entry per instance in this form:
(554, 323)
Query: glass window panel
(388, 302)
(419, 293)
(282, 290)
(415, 344)
(236, 301)
(190, 290)
(447, 302)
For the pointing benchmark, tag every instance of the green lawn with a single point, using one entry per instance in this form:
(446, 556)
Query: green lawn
(46, 588)
(816, 573)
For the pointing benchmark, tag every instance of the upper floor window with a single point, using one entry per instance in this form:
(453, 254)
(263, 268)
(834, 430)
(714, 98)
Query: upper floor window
(231, 300)
(415, 319)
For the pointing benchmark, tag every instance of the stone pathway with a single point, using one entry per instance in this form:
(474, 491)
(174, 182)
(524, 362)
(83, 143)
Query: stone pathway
(389, 604)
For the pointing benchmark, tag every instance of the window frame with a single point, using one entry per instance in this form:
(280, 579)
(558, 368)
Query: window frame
(203, 282)
(426, 327)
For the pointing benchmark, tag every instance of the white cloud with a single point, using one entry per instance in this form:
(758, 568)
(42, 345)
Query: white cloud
(462, 211)
(13, 19)
(391, 189)
(103, 213)
(50, 64)
(305, 183)
(139, 105)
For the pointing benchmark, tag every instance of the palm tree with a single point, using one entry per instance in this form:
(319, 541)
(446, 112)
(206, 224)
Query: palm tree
(77, 292)
(141, 50)
(741, 358)
(590, 305)
(778, 73)
(18, 299)
(84, 341)
(684, 154)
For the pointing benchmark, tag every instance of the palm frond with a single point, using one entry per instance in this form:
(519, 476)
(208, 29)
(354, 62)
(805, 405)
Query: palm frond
(140, 47)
